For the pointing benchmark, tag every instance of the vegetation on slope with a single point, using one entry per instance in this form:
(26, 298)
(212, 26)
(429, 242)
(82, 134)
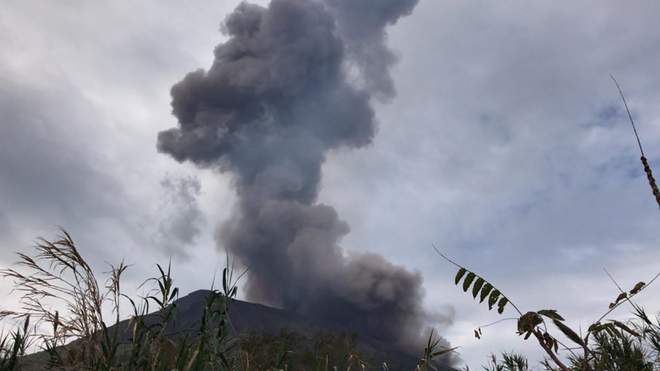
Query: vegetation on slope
(87, 333)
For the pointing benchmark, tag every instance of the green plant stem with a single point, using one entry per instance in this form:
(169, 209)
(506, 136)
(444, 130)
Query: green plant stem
(460, 266)
(549, 351)
(645, 162)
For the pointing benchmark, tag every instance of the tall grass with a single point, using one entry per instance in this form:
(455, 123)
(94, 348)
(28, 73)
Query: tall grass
(87, 332)
(80, 335)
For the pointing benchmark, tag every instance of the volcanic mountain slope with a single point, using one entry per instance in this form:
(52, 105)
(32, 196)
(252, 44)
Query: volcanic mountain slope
(250, 318)
(262, 323)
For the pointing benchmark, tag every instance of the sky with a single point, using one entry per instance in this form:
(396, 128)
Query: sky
(506, 146)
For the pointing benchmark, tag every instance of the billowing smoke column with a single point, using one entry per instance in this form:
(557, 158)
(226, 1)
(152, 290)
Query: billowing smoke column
(295, 80)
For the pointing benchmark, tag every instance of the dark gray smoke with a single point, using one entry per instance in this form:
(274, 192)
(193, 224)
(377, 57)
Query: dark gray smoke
(280, 94)
(362, 25)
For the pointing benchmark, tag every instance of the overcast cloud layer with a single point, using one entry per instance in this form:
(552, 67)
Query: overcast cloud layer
(506, 146)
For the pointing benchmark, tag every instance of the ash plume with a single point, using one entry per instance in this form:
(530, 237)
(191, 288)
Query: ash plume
(362, 25)
(279, 95)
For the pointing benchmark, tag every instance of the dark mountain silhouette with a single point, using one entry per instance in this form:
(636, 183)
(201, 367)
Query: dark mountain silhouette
(255, 319)
(251, 318)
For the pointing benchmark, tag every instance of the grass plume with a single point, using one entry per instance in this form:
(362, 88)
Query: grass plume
(645, 162)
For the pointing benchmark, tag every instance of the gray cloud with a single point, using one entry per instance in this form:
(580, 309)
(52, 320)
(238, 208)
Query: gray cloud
(5, 228)
(276, 99)
(496, 147)
(52, 176)
(497, 150)
(46, 168)
(363, 27)
(179, 214)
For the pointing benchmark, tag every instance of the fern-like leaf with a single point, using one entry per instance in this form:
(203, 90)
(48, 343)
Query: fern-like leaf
(502, 303)
(468, 281)
(477, 286)
(461, 272)
(485, 291)
(492, 299)
(568, 332)
(551, 313)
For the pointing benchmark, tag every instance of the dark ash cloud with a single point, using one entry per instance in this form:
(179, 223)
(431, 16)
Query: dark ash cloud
(280, 95)
(363, 25)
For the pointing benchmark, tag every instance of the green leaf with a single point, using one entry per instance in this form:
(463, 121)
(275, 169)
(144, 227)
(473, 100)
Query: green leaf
(595, 327)
(461, 272)
(612, 331)
(162, 273)
(156, 300)
(477, 286)
(492, 299)
(468, 281)
(625, 328)
(444, 351)
(502, 304)
(175, 292)
(225, 288)
(568, 332)
(485, 291)
(551, 313)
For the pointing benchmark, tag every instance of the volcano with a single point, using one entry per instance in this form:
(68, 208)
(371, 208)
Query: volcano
(260, 322)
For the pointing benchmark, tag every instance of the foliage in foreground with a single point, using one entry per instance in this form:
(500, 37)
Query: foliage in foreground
(80, 337)
(607, 345)
(611, 350)
(88, 333)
